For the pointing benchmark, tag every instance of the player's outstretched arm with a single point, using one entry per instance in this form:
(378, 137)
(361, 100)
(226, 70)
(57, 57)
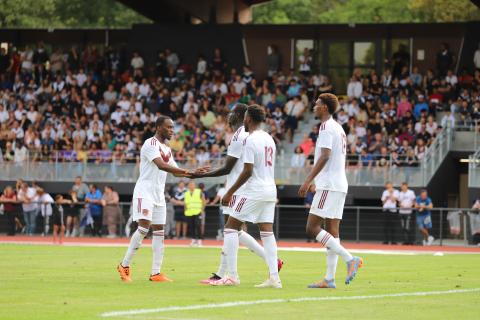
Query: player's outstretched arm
(324, 156)
(241, 180)
(177, 172)
(225, 169)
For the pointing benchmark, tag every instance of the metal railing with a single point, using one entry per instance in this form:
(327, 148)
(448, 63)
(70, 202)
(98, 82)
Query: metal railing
(450, 226)
(474, 170)
(127, 170)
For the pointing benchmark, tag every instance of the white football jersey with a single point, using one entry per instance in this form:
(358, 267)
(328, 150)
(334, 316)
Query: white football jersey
(259, 149)
(332, 177)
(151, 182)
(235, 149)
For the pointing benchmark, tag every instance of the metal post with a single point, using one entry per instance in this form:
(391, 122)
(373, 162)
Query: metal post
(357, 232)
(441, 227)
(277, 224)
(465, 240)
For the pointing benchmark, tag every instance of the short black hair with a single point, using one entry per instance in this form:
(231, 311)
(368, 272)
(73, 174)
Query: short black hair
(256, 113)
(330, 100)
(237, 115)
(161, 120)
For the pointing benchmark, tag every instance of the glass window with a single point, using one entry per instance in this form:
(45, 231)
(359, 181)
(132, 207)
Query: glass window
(339, 78)
(364, 53)
(339, 54)
(300, 46)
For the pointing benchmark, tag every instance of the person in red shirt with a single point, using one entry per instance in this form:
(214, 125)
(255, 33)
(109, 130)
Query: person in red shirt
(10, 206)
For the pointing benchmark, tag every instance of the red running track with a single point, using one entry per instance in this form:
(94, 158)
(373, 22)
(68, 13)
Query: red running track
(282, 244)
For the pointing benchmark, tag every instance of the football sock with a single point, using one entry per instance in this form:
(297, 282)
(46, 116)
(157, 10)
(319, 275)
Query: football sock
(327, 240)
(270, 246)
(222, 268)
(157, 250)
(135, 243)
(332, 259)
(248, 241)
(230, 249)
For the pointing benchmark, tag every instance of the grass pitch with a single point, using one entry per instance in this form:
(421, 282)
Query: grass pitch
(52, 282)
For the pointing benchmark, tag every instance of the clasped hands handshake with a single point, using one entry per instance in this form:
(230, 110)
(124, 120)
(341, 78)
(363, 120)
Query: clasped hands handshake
(197, 173)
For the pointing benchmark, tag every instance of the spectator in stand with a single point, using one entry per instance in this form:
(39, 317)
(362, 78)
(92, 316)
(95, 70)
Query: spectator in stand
(178, 198)
(9, 201)
(354, 88)
(111, 211)
(94, 200)
(406, 202)
(273, 60)
(28, 197)
(294, 110)
(445, 59)
(390, 215)
(424, 204)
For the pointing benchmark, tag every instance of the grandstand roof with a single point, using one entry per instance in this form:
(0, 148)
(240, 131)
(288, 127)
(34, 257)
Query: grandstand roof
(194, 11)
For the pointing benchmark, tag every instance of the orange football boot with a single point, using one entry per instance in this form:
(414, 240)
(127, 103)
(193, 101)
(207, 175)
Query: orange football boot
(124, 273)
(160, 277)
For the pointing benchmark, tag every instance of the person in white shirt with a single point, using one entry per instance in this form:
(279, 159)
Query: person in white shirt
(476, 58)
(331, 184)
(252, 198)
(45, 202)
(137, 61)
(3, 114)
(21, 153)
(28, 197)
(239, 85)
(448, 120)
(294, 110)
(131, 86)
(354, 88)
(149, 206)
(81, 77)
(233, 167)
(390, 216)
(406, 201)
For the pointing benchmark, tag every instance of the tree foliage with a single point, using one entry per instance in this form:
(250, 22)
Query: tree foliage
(66, 13)
(364, 11)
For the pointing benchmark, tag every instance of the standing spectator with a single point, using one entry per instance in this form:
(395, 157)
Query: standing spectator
(474, 216)
(476, 58)
(424, 204)
(294, 110)
(445, 60)
(81, 190)
(9, 201)
(354, 88)
(400, 59)
(297, 163)
(170, 220)
(194, 204)
(111, 211)
(406, 200)
(178, 197)
(273, 60)
(390, 216)
(94, 200)
(203, 218)
(72, 213)
(308, 204)
(137, 62)
(305, 62)
(58, 218)
(45, 201)
(28, 197)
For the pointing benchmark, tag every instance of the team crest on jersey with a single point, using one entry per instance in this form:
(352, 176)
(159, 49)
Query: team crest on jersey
(165, 157)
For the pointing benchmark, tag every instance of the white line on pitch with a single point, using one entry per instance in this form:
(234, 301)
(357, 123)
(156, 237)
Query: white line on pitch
(270, 301)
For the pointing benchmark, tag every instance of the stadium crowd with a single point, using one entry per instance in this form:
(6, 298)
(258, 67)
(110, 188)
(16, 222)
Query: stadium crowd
(87, 106)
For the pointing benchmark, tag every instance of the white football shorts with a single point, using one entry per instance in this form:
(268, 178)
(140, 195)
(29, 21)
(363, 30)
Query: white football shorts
(145, 209)
(254, 211)
(328, 204)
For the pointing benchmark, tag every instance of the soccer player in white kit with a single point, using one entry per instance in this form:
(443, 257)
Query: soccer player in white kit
(252, 198)
(232, 168)
(332, 186)
(149, 207)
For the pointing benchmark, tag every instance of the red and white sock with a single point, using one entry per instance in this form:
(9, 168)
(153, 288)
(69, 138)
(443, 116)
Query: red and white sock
(135, 243)
(332, 259)
(158, 249)
(328, 241)
(230, 250)
(270, 247)
(248, 241)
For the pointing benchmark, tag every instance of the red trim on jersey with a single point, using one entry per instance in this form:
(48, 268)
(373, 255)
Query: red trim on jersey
(322, 126)
(139, 205)
(153, 142)
(232, 202)
(237, 133)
